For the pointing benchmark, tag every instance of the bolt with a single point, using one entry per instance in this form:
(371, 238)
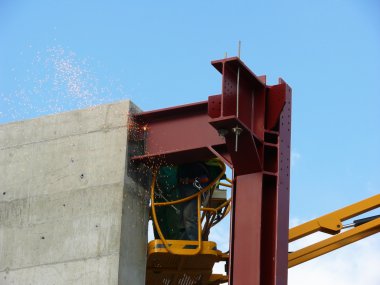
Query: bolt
(237, 131)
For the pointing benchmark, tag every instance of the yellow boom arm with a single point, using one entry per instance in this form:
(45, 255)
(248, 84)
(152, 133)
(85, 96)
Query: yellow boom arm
(332, 224)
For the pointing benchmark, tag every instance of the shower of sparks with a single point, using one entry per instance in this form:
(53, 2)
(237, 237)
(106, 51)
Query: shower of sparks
(56, 80)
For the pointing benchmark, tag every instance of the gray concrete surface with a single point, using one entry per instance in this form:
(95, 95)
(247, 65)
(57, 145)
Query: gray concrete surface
(69, 212)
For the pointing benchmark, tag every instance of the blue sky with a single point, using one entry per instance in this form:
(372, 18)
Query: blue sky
(71, 54)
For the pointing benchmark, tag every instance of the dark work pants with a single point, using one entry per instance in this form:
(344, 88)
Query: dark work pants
(189, 214)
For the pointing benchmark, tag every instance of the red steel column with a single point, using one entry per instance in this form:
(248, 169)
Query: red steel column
(260, 155)
(245, 248)
(275, 202)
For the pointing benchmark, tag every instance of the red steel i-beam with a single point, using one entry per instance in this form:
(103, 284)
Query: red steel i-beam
(248, 126)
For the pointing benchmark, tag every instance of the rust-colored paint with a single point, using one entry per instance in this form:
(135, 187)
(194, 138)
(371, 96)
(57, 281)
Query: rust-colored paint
(260, 212)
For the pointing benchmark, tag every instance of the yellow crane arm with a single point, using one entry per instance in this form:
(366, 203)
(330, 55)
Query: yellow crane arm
(332, 224)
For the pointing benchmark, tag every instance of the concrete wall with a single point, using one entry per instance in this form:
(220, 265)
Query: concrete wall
(69, 213)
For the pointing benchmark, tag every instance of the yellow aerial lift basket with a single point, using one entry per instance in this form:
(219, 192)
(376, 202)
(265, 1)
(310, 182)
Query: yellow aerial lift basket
(183, 262)
(183, 269)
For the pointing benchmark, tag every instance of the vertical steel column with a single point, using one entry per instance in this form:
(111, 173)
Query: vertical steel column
(275, 203)
(246, 220)
(259, 224)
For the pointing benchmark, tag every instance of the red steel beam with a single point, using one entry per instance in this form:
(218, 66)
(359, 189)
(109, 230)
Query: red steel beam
(259, 155)
(179, 134)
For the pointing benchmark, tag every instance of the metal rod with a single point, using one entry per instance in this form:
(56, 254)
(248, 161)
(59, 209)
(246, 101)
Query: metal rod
(348, 226)
(359, 222)
(161, 194)
(237, 92)
(236, 142)
(237, 132)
